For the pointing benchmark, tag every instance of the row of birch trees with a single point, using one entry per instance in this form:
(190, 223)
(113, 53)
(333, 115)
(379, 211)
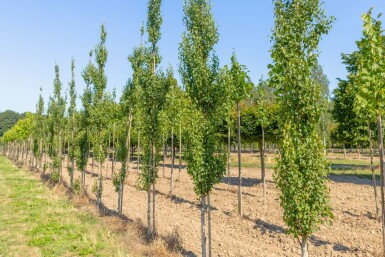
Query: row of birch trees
(217, 107)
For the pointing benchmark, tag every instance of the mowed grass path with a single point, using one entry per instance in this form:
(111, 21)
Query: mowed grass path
(35, 222)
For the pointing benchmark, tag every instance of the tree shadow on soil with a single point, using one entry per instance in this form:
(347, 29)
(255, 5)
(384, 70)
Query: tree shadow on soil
(266, 227)
(188, 253)
(181, 200)
(336, 246)
(362, 180)
(232, 190)
(246, 182)
(105, 211)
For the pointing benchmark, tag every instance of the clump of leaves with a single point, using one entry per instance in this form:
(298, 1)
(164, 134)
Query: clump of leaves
(117, 178)
(56, 163)
(116, 181)
(77, 187)
(55, 176)
(95, 187)
(69, 169)
(45, 167)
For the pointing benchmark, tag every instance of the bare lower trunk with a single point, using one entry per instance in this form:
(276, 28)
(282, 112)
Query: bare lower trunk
(229, 150)
(98, 194)
(164, 154)
(209, 222)
(180, 150)
(382, 173)
(121, 197)
(203, 226)
(153, 190)
(45, 160)
(138, 161)
(68, 158)
(149, 198)
(126, 169)
(84, 180)
(372, 168)
(113, 152)
(93, 162)
(239, 163)
(304, 247)
(153, 210)
(263, 170)
(72, 157)
(60, 150)
(172, 159)
(28, 163)
(344, 152)
(119, 194)
(40, 164)
(22, 153)
(129, 143)
(72, 173)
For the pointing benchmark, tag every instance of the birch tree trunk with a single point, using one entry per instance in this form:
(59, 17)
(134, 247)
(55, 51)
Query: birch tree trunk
(372, 169)
(172, 159)
(138, 160)
(209, 222)
(263, 170)
(229, 150)
(149, 198)
(240, 212)
(180, 150)
(382, 173)
(164, 155)
(304, 247)
(203, 233)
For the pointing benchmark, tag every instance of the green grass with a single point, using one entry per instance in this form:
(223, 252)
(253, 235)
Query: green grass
(359, 168)
(35, 222)
(351, 162)
(367, 174)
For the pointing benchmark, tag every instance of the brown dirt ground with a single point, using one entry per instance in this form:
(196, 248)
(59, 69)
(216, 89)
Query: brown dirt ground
(261, 232)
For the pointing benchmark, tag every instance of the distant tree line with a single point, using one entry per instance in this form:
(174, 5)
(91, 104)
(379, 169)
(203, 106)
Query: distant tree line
(8, 119)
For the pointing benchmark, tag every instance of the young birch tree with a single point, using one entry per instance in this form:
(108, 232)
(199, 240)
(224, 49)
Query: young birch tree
(127, 105)
(262, 112)
(72, 123)
(371, 90)
(352, 119)
(83, 130)
(99, 102)
(241, 87)
(152, 100)
(172, 116)
(206, 153)
(301, 168)
(56, 110)
(38, 132)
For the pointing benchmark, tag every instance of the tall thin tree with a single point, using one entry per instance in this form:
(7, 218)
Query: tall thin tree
(301, 169)
(206, 154)
(72, 123)
(239, 81)
(371, 96)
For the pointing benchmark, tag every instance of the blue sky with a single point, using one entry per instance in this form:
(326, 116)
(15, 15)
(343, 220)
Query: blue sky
(36, 34)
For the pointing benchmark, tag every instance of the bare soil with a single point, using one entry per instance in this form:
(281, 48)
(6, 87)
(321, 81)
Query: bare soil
(261, 232)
